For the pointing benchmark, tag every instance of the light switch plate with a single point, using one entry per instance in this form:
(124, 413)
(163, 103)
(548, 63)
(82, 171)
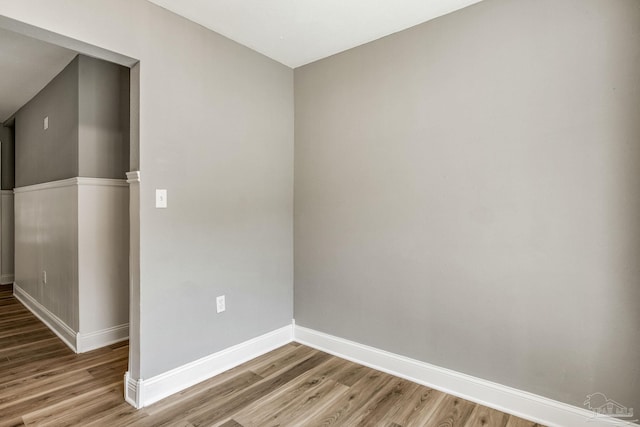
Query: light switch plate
(46, 123)
(161, 198)
(221, 304)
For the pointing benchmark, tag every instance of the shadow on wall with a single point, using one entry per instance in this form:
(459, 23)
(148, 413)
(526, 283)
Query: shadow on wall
(6, 219)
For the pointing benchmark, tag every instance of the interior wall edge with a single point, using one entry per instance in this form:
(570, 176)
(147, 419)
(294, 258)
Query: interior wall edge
(144, 392)
(66, 42)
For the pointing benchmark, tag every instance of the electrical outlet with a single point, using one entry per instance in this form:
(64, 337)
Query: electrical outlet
(220, 304)
(44, 277)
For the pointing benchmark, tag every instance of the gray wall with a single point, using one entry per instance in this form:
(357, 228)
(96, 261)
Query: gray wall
(49, 155)
(103, 119)
(8, 159)
(88, 109)
(466, 194)
(216, 130)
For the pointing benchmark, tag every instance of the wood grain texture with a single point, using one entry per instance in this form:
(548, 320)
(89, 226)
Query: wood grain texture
(483, 416)
(43, 383)
(519, 422)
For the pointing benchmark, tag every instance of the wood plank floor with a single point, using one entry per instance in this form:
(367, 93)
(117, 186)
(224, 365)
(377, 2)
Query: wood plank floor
(43, 383)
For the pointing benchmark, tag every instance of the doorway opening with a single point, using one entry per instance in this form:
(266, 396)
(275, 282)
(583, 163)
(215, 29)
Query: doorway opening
(72, 189)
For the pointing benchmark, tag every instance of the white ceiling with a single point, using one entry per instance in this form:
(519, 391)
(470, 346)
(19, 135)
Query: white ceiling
(26, 66)
(293, 32)
(297, 32)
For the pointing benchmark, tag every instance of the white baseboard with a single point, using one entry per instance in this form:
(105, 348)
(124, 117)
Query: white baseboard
(141, 393)
(506, 399)
(93, 340)
(79, 343)
(61, 329)
(131, 388)
(7, 279)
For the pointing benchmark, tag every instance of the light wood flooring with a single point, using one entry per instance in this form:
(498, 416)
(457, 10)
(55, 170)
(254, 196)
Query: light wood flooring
(42, 382)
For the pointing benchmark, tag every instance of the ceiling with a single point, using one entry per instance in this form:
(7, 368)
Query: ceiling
(26, 66)
(293, 32)
(297, 32)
